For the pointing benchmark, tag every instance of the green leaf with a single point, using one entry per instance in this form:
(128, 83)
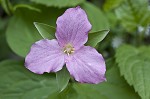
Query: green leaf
(96, 17)
(46, 31)
(21, 32)
(96, 37)
(134, 66)
(62, 78)
(25, 6)
(109, 4)
(59, 3)
(115, 88)
(7, 6)
(68, 93)
(78, 91)
(133, 14)
(16, 82)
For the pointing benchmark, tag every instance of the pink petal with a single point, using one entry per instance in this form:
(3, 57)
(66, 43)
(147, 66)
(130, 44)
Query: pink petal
(73, 27)
(87, 65)
(45, 56)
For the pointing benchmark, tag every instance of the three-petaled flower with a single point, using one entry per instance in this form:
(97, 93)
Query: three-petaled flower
(84, 63)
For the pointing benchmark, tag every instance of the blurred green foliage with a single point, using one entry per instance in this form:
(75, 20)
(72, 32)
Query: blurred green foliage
(128, 66)
(135, 67)
(59, 3)
(16, 82)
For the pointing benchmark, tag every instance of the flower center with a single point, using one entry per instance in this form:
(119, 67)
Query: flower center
(69, 49)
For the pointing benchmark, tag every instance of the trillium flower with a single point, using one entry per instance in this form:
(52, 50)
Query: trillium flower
(84, 63)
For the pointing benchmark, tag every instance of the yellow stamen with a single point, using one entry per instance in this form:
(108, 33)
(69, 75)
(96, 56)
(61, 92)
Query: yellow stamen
(69, 49)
